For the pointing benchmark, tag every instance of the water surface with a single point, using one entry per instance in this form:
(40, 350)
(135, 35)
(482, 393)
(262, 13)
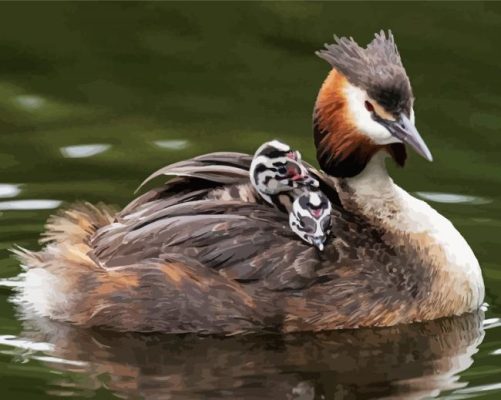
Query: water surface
(94, 97)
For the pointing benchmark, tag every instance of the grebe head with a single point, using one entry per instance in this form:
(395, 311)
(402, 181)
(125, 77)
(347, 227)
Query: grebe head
(310, 218)
(365, 105)
(276, 168)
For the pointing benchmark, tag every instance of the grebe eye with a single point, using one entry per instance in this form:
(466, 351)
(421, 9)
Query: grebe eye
(369, 107)
(282, 170)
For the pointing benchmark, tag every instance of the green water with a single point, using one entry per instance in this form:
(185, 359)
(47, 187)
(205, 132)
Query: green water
(94, 97)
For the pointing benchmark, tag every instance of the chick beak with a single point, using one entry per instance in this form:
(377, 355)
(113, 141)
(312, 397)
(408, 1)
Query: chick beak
(404, 130)
(318, 242)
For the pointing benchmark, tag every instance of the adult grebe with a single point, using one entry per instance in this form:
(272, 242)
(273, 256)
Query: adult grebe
(204, 254)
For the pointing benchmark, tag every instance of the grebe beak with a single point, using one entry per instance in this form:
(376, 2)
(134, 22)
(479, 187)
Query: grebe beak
(404, 130)
(318, 242)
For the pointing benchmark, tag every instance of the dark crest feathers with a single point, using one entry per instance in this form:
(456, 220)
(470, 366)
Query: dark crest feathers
(377, 68)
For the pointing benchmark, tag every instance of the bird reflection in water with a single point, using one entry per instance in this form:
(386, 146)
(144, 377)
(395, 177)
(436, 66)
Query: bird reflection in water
(403, 362)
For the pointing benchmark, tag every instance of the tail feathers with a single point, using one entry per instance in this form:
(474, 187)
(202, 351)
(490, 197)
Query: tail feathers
(52, 274)
(77, 223)
(27, 257)
(67, 237)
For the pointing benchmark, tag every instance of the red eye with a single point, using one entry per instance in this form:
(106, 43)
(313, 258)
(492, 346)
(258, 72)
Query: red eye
(369, 106)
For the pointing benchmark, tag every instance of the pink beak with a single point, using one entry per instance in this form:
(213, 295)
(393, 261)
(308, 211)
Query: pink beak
(316, 213)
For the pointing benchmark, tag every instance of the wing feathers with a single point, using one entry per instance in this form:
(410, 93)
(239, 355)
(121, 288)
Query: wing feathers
(223, 167)
(245, 241)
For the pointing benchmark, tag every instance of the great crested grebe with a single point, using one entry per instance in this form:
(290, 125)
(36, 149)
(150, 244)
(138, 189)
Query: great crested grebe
(203, 253)
(279, 177)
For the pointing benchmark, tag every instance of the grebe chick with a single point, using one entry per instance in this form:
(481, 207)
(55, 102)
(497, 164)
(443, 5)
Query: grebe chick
(276, 169)
(310, 218)
(281, 179)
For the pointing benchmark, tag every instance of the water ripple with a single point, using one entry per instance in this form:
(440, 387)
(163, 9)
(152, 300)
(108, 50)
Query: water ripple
(492, 323)
(29, 205)
(84, 150)
(57, 360)
(9, 190)
(453, 198)
(36, 347)
(171, 144)
(480, 388)
(13, 341)
(29, 102)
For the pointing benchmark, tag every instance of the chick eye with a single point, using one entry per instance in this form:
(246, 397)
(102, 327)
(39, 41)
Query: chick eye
(282, 170)
(368, 106)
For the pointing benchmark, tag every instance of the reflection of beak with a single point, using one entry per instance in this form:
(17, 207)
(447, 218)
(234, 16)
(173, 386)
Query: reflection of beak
(318, 242)
(404, 130)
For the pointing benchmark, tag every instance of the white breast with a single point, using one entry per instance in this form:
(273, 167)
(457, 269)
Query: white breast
(461, 261)
(376, 196)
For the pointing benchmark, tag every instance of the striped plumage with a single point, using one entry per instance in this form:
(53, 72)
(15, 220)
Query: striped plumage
(310, 218)
(279, 177)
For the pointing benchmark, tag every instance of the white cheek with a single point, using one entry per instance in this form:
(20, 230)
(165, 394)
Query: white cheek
(413, 117)
(363, 119)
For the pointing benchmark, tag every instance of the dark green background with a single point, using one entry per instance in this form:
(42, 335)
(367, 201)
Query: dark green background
(202, 77)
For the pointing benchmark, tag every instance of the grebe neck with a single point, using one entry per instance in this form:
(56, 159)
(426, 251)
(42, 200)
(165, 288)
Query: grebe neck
(372, 193)
(410, 223)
